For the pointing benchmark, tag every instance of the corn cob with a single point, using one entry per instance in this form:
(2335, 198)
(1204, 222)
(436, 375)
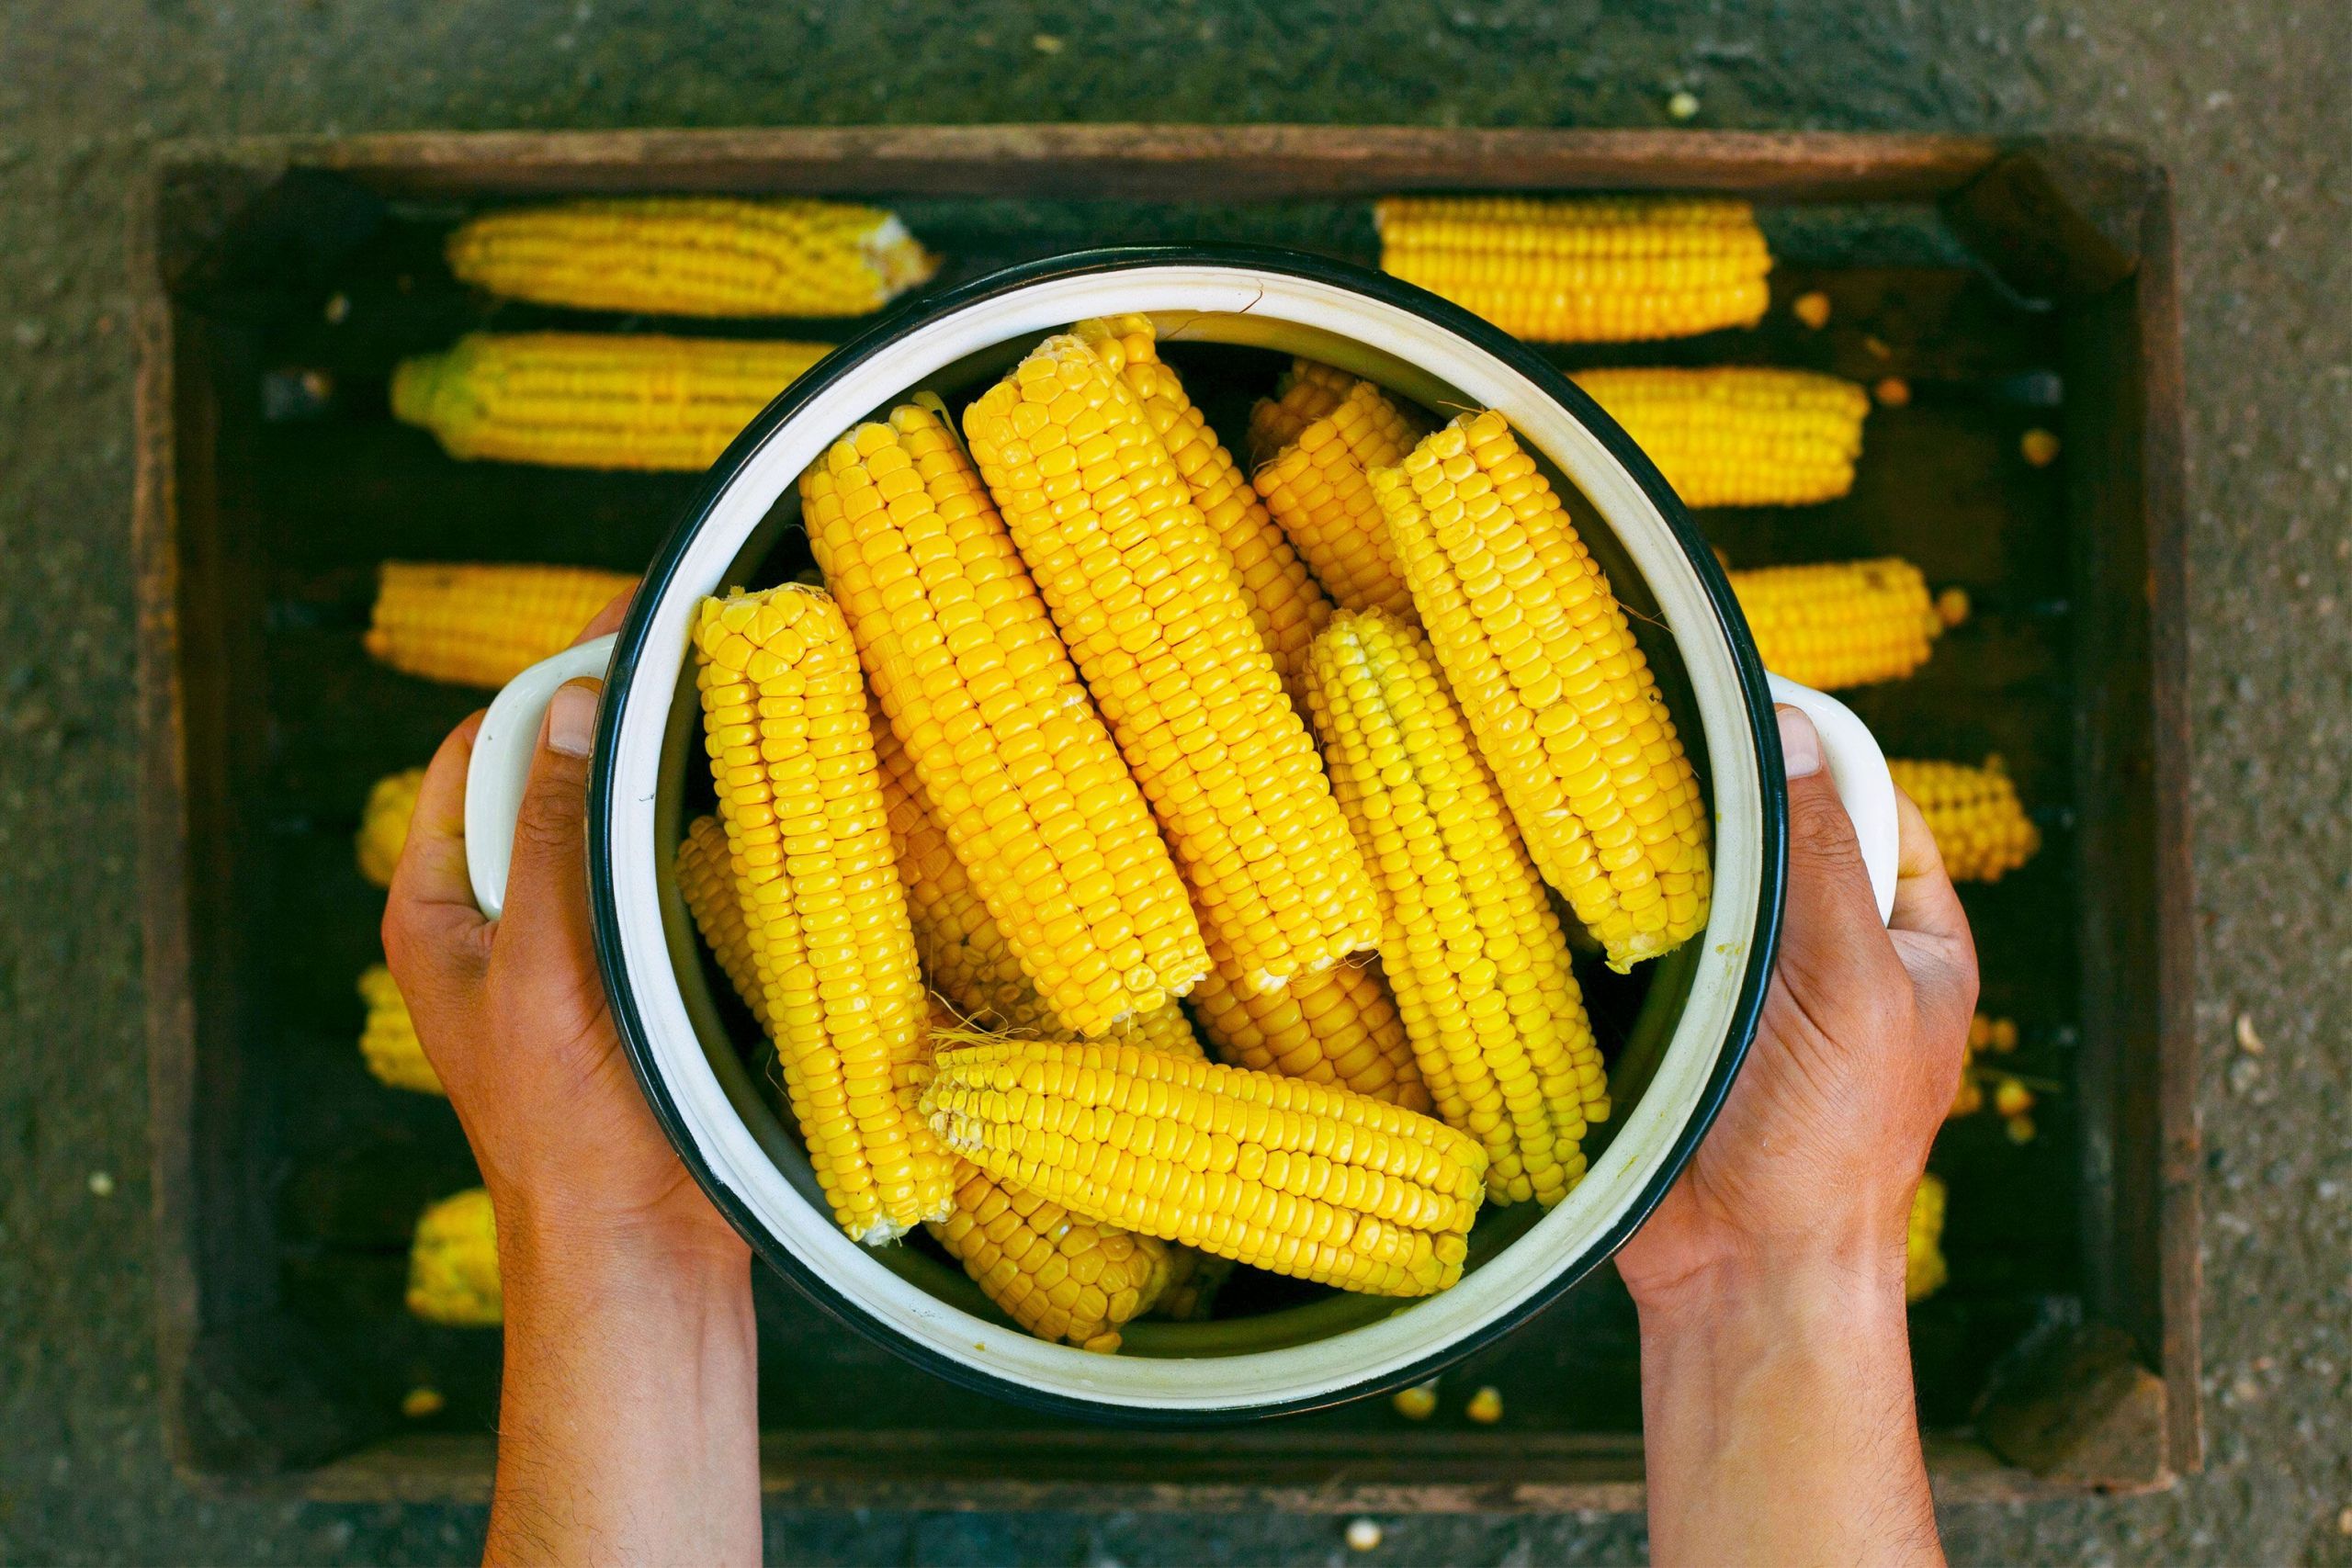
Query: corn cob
(1583, 271)
(693, 256)
(1152, 611)
(383, 823)
(1056, 1275)
(1306, 392)
(1051, 827)
(1337, 1027)
(1981, 829)
(1738, 436)
(1923, 1258)
(453, 1264)
(1319, 492)
(1841, 623)
(1285, 605)
(389, 1040)
(472, 625)
(1996, 1035)
(1565, 709)
(1479, 960)
(595, 400)
(707, 883)
(793, 759)
(1194, 1280)
(1299, 1178)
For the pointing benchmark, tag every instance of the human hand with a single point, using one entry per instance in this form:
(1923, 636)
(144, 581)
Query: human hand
(513, 1015)
(1811, 1164)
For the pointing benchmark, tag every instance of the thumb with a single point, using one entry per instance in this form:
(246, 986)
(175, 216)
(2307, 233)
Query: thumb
(547, 883)
(1829, 897)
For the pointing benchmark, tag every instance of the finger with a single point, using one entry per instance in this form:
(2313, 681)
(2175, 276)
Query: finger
(1923, 900)
(608, 619)
(432, 897)
(1829, 887)
(546, 880)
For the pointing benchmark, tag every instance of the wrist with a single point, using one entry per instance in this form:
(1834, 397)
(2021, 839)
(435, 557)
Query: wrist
(555, 1247)
(1855, 1269)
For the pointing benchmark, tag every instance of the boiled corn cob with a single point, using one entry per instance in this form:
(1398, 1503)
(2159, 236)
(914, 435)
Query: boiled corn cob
(1479, 960)
(965, 954)
(453, 1263)
(1318, 490)
(693, 256)
(1997, 1036)
(1306, 392)
(1049, 825)
(1337, 1027)
(1583, 270)
(793, 759)
(1981, 829)
(1055, 1274)
(707, 883)
(473, 624)
(1285, 605)
(594, 401)
(1738, 436)
(1194, 1280)
(1301, 1179)
(1924, 1273)
(1151, 609)
(1565, 709)
(387, 1040)
(1840, 623)
(383, 823)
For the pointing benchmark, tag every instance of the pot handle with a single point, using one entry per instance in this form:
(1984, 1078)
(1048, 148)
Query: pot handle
(1859, 769)
(502, 764)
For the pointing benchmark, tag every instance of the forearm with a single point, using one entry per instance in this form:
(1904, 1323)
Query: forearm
(629, 1424)
(1778, 1422)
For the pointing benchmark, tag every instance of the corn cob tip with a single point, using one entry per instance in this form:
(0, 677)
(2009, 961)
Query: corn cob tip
(417, 383)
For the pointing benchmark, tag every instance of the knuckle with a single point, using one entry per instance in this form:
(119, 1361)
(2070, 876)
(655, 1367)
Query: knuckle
(551, 819)
(1819, 830)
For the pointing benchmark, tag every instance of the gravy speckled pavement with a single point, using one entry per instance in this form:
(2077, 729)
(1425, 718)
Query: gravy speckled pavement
(2237, 96)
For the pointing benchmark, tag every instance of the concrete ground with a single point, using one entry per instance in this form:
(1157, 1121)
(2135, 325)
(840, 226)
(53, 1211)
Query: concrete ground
(2243, 98)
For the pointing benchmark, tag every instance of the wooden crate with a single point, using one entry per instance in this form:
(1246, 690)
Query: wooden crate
(2010, 285)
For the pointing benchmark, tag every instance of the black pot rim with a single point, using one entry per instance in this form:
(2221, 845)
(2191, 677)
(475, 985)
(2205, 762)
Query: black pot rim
(630, 646)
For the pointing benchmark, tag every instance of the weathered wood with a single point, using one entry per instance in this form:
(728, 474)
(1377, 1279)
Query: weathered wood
(2058, 221)
(2084, 1412)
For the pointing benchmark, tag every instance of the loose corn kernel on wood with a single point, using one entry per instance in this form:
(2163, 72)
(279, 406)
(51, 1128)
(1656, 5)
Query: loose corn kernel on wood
(1924, 1271)
(1151, 610)
(1486, 1407)
(793, 759)
(1010, 755)
(1739, 436)
(383, 824)
(594, 400)
(1477, 958)
(1981, 827)
(453, 1264)
(1565, 707)
(1317, 489)
(1996, 1035)
(1337, 1027)
(1286, 605)
(671, 255)
(1306, 392)
(1584, 270)
(387, 1041)
(483, 624)
(1811, 308)
(1298, 1178)
(1840, 623)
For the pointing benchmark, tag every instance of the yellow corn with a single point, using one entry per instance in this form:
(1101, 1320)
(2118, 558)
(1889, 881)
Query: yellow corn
(453, 1263)
(693, 256)
(1996, 1036)
(1301, 1179)
(1285, 605)
(1841, 623)
(474, 625)
(1337, 1027)
(1738, 436)
(1479, 960)
(1050, 826)
(1151, 609)
(707, 883)
(1194, 1280)
(389, 1040)
(1566, 709)
(1583, 270)
(793, 759)
(1923, 1258)
(1980, 827)
(1306, 392)
(383, 823)
(595, 400)
(1055, 1274)
(1318, 490)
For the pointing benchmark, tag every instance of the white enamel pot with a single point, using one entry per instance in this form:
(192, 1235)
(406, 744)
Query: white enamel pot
(1684, 1044)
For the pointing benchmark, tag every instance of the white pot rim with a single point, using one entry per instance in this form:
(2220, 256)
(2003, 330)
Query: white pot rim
(1230, 287)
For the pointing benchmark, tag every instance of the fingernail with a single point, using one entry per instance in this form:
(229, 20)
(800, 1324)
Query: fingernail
(1800, 746)
(572, 719)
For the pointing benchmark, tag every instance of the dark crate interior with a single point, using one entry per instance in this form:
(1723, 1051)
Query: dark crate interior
(288, 323)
